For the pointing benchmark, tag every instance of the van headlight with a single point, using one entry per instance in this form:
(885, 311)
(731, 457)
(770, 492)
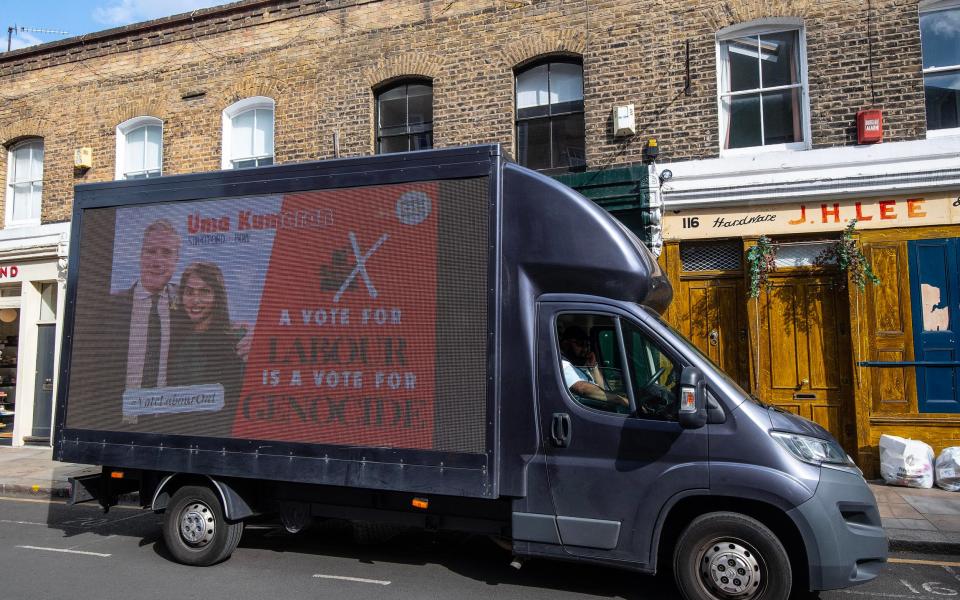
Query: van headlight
(816, 451)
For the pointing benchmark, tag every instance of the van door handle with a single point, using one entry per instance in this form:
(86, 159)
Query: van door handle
(560, 430)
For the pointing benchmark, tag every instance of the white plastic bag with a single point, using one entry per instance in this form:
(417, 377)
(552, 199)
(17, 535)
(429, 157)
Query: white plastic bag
(906, 462)
(948, 469)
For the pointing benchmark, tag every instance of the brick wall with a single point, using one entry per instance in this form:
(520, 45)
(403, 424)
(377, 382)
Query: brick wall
(319, 61)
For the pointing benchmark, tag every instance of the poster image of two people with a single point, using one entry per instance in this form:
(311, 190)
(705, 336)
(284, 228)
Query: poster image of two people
(177, 334)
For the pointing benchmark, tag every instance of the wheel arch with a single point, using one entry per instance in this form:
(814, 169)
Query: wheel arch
(235, 505)
(684, 509)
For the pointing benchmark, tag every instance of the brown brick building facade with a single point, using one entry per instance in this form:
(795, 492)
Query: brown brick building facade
(321, 62)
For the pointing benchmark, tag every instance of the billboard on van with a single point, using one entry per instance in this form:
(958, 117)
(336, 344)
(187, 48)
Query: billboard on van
(354, 316)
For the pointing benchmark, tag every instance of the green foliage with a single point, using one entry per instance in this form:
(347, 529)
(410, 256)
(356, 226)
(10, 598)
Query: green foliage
(762, 261)
(847, 255)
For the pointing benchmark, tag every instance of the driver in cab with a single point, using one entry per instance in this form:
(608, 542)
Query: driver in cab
(581, 373)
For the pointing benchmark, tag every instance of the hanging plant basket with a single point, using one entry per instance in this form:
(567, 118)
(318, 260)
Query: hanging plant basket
(761, 259)
(847, 255)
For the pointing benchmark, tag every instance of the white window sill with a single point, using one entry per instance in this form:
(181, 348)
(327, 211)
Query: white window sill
(753, 150)
(21, 224)
(942, 133)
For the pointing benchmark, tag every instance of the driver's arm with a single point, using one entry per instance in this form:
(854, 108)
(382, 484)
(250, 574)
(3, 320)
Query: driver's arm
(595, 392)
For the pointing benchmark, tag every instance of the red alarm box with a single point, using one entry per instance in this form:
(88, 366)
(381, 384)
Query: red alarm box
(869, 126)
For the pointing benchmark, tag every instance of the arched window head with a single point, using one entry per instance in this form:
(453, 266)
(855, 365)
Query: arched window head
(248, 133)
(24, 182)
(139, 148)
(550, 128)
(405, 116)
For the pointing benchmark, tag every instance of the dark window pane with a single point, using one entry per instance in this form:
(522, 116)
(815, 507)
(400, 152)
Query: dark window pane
(940, 37)
(741, 55)
(566, 82)
(533, 143)
(532, 87)
(420, 105)
(778, 59)
(568, 144)
(404, 110)
(392, 131)
(394, 144)
(395, 93)
(566, 107)
(421, 141)
(550, 131)
(781, 117)
(393, 111)
(244, 164)
(533, 112)
(942, 92)
(265, 161)
(744, 127)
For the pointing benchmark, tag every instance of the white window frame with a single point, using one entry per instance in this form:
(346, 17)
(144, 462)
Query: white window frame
(124, 129)
(761, 27)
(9, 221)
(932, 6)
(236, 109)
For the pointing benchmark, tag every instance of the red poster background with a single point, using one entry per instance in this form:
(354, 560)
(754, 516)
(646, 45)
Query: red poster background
(361, 370)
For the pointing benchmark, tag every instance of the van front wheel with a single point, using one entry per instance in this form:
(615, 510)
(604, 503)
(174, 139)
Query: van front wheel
(195, 529)
(729, 556)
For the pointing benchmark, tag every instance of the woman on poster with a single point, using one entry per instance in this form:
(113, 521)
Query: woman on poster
(206, 348)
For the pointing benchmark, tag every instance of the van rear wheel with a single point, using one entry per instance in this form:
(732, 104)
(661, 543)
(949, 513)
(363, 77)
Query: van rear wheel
(729, 556)
(195, 529)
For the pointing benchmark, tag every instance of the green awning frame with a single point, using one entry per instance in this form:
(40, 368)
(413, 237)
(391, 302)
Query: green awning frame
(615, 190)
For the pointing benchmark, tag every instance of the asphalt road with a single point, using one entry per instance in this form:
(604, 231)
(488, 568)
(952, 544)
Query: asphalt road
(52, 551)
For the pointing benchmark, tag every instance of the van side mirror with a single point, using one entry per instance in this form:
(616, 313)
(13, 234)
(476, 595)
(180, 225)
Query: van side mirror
(693, 399)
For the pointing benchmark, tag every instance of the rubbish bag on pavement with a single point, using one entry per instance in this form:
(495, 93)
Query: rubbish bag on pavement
(906, 462)
(948, 469)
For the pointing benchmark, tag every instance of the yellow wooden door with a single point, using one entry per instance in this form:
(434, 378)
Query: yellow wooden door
(715, 321)
(805, 351)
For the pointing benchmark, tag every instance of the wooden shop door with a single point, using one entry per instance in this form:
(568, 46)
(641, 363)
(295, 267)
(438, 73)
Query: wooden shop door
(716, 323)
(804, 350)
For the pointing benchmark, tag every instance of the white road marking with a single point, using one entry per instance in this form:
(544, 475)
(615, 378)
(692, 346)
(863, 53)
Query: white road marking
(100, 554)
(64, 502)
(880, 595)
(21, 522)
(356, 579)
(33, 500)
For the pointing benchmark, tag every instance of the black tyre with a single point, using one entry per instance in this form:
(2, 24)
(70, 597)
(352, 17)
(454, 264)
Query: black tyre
(729, 556)
(195, 530)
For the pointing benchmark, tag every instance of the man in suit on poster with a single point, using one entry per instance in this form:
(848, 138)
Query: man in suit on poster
(149, 308)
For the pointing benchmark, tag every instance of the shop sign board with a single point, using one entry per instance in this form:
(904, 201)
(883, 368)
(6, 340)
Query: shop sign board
(9, 273)
(812, 216)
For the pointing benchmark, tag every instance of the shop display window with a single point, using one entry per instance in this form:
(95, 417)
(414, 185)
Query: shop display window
(9, 338)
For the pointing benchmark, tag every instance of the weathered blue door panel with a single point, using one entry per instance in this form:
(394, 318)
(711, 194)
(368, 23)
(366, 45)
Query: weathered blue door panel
(935, 295)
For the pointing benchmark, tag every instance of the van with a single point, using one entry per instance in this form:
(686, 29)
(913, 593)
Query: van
(437, 339)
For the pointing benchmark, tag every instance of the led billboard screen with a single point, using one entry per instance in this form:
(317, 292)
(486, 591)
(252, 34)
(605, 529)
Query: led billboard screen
(351, 317)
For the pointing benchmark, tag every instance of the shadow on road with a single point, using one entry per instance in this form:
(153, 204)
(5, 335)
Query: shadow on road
(475, 557)
(471, 556)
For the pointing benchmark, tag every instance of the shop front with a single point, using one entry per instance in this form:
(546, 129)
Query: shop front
(32, 280)
(861, 363)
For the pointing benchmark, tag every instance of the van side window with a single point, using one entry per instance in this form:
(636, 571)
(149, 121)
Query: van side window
(590, 361)
(655, 377)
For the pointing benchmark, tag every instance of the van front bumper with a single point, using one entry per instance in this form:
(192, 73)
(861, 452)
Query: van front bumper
(844, 538)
